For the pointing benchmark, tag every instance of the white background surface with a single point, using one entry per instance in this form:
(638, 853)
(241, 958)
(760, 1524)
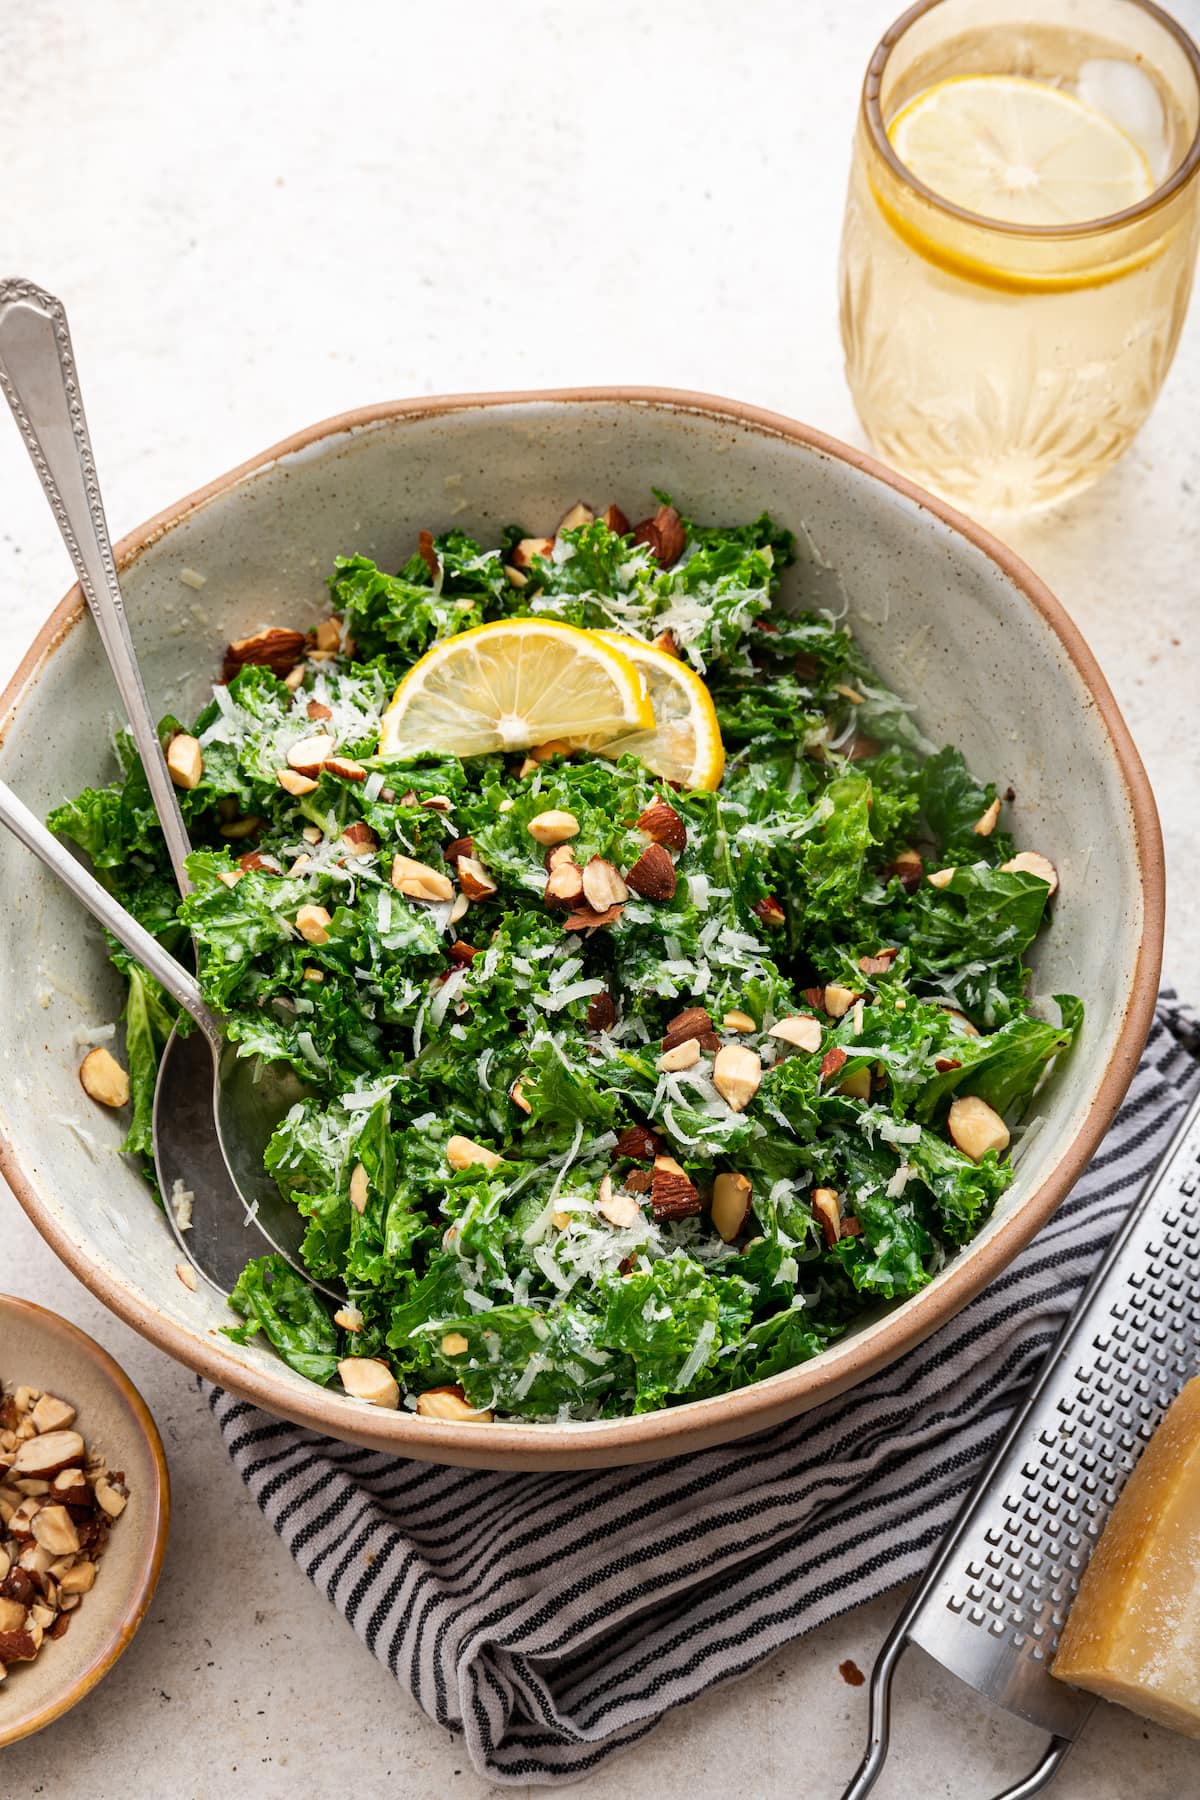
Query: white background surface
(258, 215)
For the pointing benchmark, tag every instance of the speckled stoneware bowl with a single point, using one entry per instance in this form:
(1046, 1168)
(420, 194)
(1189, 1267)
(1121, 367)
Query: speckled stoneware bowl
(38, 1349)
(952, 619)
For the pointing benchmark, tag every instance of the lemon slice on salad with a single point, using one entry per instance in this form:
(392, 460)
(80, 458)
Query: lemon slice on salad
(1020, 151)
(684, 744)
(512, 685)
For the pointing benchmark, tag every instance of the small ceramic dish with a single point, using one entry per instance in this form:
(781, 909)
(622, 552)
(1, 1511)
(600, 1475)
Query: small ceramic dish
(38, 1349)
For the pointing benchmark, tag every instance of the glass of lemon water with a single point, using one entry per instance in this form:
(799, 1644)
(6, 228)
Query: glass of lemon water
(1020, 235)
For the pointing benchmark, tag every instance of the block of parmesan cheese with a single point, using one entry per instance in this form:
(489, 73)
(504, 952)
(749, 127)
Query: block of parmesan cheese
(1133, 1634)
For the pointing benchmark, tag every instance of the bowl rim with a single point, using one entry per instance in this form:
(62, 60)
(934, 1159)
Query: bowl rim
(136, 1604)
(692, 1424)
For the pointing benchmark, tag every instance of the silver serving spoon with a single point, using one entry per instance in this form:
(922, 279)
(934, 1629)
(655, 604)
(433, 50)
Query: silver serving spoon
(245, 1097)
(238, 1211)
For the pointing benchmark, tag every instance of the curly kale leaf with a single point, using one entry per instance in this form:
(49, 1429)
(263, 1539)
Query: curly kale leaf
(953, 802)
(149, 1017)
(672, 1319)
(400, 616)
(273, 1299)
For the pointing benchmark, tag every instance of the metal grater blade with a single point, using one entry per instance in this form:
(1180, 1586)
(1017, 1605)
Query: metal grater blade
(993, 1603)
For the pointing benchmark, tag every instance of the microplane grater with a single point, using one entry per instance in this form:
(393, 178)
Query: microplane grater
(994, 1600)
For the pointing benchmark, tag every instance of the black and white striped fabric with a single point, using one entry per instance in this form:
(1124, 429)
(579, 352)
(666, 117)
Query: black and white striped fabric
(554, 1619)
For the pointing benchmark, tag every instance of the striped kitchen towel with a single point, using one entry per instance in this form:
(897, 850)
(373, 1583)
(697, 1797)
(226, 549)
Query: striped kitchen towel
(554, 1619)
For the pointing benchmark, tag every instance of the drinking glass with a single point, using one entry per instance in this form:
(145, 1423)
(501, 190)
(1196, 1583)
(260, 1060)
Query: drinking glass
(1006, 365)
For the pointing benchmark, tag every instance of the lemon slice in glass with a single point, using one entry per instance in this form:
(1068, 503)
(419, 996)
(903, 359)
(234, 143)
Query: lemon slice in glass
(513, 685)
(684, 744)
(1019, 151)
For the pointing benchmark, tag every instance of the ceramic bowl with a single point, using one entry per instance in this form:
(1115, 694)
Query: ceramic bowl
(38, 1349)
(952, 619)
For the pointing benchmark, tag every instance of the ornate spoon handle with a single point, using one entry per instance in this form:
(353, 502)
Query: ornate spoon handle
(37, 374)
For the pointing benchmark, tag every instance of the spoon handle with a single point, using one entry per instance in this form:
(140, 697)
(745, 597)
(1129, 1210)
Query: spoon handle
(37, 374)
(112, 915)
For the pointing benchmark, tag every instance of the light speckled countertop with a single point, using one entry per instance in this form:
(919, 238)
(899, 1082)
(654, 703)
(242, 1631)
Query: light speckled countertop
(258, 216)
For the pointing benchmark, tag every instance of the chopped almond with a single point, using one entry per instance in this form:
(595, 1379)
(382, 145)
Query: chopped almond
(524, 552)
(985, 824)
(736, 1073)
(907, 867)
(52, 1414)
(976, 1127)
(683, 1056)
(828, 1210)
(451, 1403)
(621, 1210)
(672, 1194)
(1029, 862)
(586, 918)
(103, 1078)
(770, 912)
(464, 1153)
(737, 1021)
(185, 760)
(838, 999)
(602, 885)
(692, 1022)
(359, 839)
(553, 827)
(359, 1188)
(417, 881)
(276, 649)
(664, 825)
(312, 922)
(730, 1205)
(663, 535)
(367, 1378)
(564, 885)
(638, 1143)
(798, 1030)
(961, 1020)
(292, 782)
(653, 874)
(601, 1013)
(474, 880)
(307, 756)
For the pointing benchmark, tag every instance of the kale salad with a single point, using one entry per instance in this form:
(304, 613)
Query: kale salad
(623, 1092)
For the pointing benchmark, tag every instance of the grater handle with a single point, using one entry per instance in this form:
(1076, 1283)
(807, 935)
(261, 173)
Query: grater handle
(880, 1729)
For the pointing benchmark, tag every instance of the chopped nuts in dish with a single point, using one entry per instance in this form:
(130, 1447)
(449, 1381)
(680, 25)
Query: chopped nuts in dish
(57, 1506)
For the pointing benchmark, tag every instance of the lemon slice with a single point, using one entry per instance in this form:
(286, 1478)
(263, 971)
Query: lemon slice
(685, 742)
(513, 685)
(1019, 151)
